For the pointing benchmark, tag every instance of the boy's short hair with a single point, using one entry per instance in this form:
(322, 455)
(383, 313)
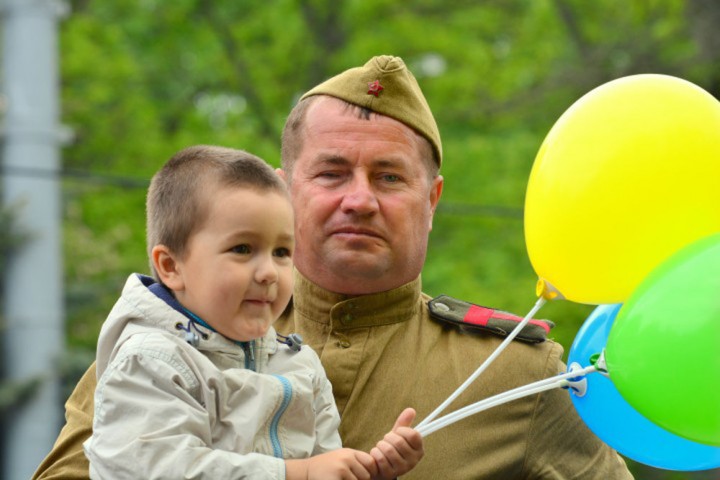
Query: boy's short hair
(175, 206)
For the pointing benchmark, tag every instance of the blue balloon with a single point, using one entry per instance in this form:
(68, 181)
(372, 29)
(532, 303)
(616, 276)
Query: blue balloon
(618, 424)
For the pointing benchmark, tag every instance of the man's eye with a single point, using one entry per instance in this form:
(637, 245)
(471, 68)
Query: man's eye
(282, 252)
(243, 249)
(391, 178)
(328, 175)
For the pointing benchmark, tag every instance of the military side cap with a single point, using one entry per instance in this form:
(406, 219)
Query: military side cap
(385, 86)
(469, 317)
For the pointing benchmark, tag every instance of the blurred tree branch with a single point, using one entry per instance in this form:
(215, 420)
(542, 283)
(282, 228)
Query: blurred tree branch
(704, 19)
(324, 22)
(235, 56)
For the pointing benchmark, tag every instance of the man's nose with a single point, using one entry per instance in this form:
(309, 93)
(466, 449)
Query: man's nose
(359, 198)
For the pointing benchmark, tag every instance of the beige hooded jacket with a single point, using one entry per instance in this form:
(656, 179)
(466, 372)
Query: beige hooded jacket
(167, 409)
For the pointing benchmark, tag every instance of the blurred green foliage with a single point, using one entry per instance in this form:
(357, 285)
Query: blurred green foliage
(142, 79)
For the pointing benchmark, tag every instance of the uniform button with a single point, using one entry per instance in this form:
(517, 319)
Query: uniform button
(344, 343)
(347, 318)
(442, 307)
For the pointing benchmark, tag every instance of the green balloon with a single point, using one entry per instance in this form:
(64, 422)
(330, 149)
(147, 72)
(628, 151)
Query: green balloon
(663, 351)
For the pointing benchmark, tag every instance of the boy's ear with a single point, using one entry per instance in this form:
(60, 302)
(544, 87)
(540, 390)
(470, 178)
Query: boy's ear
(167, 267)
(281, 173)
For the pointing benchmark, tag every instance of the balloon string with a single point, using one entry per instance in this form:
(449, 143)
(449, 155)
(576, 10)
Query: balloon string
(540, 302)
(510, 395)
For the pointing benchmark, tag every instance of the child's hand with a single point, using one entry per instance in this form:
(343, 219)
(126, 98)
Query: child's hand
(342, 464)
(400, 450)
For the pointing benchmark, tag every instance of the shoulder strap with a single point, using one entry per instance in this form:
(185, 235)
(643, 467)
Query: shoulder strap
(475, 318)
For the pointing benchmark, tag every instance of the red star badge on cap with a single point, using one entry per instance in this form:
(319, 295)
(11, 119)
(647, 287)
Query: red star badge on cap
(374, 88)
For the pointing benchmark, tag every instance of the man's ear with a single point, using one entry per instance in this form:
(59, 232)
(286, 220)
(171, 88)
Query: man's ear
(167, 267)
(435, 193)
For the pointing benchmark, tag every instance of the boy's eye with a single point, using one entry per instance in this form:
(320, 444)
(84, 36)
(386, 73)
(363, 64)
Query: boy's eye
(243, 249)
(282, 252)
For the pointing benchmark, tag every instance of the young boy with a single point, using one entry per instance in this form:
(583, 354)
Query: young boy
(193, 381)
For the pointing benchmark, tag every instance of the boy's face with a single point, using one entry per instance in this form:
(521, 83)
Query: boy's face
(236, 273)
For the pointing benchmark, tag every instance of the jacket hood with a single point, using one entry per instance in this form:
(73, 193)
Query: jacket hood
(145, 304)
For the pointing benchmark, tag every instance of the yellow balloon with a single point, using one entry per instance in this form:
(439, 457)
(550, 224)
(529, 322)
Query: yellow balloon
(627, 176)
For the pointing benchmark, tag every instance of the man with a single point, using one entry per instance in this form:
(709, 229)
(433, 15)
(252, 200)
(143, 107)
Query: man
(361, 154)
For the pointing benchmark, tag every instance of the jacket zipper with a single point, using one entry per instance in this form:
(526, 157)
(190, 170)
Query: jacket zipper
(249, 349)
(274, 438)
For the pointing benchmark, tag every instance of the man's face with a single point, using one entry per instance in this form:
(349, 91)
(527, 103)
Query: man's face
(363, 200)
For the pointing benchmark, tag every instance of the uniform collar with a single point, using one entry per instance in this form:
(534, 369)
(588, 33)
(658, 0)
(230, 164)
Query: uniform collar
(347, 311)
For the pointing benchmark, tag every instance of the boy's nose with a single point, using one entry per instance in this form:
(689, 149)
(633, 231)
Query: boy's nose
(266, 271)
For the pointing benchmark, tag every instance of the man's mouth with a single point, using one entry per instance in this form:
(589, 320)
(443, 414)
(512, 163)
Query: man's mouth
(354, 231)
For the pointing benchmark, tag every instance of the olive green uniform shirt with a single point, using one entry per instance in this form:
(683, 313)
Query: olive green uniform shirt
(383, 353)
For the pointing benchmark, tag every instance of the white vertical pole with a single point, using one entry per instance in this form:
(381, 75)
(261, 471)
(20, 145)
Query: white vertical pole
(32, 337)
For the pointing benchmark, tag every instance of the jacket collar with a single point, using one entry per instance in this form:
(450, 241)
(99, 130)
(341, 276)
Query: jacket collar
(208, 338)
(348, 311)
